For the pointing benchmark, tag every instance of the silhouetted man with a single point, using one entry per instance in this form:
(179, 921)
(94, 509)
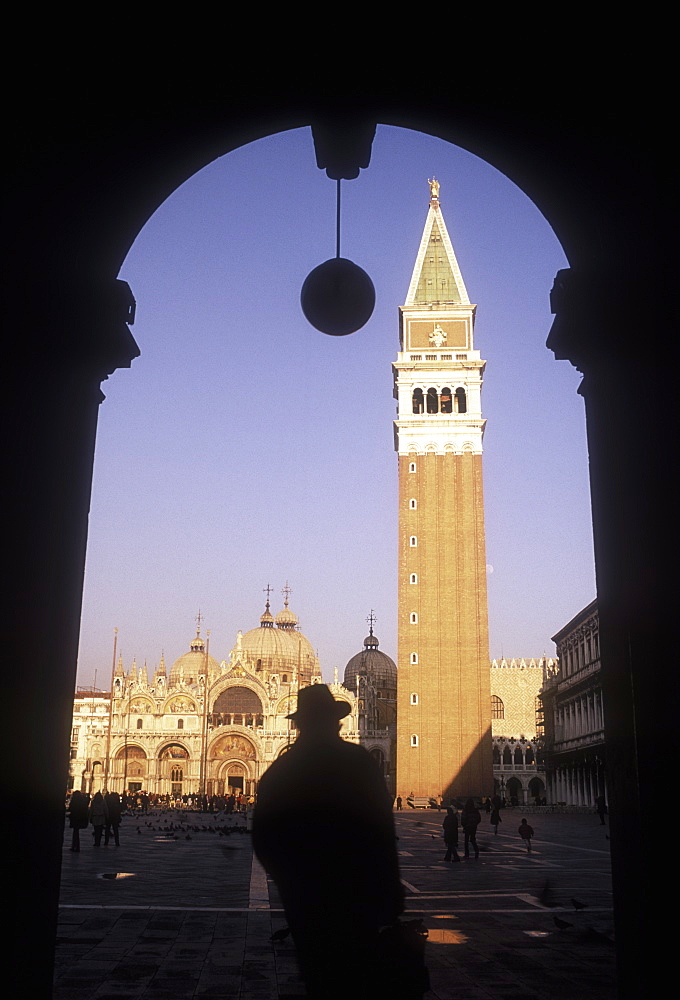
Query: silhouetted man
(323, 829)
(601, 804)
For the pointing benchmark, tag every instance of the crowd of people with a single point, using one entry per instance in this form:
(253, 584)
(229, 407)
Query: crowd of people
(104, 810)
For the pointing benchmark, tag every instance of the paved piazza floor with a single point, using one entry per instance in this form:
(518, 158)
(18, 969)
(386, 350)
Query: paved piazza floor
(176, 912)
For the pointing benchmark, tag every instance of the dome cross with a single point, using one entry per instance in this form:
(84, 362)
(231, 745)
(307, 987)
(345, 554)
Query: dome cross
(370, 619)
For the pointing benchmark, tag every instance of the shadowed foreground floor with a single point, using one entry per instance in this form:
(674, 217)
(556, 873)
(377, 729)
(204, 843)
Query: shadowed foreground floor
(191, 914)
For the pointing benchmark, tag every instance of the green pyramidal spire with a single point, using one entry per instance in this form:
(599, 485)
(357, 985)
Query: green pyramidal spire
(436, 276)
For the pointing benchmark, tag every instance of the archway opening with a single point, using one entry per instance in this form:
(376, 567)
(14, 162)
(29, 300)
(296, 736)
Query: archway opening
(216, 273)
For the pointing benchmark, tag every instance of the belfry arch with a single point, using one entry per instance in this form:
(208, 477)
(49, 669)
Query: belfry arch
(77, 205)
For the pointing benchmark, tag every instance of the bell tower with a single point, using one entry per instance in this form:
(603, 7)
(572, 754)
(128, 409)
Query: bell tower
(444, 742)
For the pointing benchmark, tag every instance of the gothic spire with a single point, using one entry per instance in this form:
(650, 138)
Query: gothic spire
(436, 277)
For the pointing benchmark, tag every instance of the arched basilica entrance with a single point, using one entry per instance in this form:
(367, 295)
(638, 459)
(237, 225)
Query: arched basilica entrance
(173, 770)
(232, 766)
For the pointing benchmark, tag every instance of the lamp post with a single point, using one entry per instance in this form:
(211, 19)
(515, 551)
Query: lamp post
(204, 724)
(107, 762)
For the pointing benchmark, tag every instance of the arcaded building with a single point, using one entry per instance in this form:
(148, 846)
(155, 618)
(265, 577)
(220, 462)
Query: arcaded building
(574, 711)
(517, 726)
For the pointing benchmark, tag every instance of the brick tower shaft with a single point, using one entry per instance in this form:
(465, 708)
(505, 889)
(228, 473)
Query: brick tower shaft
(443, 698)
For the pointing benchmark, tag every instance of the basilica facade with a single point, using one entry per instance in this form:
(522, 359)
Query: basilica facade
(213, 727)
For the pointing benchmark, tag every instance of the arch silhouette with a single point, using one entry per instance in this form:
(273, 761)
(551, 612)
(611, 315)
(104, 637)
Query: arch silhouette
(81, 193)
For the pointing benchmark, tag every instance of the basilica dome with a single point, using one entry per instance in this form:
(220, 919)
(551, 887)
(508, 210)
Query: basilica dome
(286, 618)
(277, 647)
(192, 664)
(377, 666)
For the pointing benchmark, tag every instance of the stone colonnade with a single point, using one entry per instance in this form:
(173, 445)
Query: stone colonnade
(576, 782)
(580, 716)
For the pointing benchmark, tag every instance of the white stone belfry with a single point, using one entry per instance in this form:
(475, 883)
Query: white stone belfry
(437, 374)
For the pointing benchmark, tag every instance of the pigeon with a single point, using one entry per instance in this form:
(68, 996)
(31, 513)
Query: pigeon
(591, 936)
(578, 905)
(546, 895)
(561, 924)
(281, 934)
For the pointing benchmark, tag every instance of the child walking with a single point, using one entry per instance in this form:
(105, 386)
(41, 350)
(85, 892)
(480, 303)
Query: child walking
(526, 832)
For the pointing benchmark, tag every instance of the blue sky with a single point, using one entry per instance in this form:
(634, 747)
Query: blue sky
(244, 448)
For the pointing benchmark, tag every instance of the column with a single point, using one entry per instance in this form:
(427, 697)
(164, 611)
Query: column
(592, 782)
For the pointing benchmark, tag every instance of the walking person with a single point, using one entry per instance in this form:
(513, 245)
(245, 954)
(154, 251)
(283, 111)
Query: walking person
(77, 809)
(470, 820)
(495, 817)
(526, 832)
(99, 815)
(398, 803)
(334, 860)
(450, 825)
(115, 809)
(601, 804)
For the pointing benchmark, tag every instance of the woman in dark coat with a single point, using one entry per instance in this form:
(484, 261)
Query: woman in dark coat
(470, 820)
(450, 825)
(115, 809)
(77, 809)
(99, 815)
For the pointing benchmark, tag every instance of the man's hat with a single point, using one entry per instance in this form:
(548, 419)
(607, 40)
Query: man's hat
(317, 702)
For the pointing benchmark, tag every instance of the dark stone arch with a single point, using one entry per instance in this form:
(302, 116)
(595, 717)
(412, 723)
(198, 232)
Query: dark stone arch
(514, 790)
(379, 757)
(81, 191)
(536, 788)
